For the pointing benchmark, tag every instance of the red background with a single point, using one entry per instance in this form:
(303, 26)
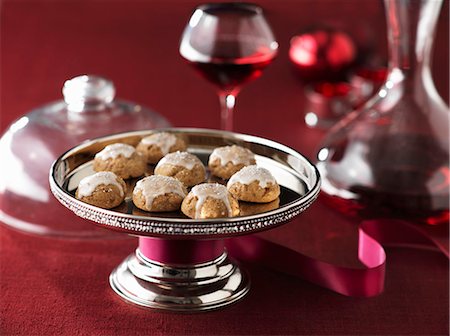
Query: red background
(60, 287)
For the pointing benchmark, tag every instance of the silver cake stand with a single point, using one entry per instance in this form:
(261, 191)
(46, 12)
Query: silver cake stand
(181, 264)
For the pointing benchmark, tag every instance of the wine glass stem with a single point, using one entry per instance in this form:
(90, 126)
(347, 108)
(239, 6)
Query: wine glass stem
(227, 102)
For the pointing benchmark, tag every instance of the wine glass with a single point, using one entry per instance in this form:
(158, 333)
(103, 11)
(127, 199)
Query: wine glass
(229, 44)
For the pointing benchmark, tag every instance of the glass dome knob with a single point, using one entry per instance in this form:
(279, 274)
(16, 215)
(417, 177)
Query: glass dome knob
(88, 91)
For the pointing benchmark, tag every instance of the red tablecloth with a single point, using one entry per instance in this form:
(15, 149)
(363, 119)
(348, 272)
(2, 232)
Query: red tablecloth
(60, 287)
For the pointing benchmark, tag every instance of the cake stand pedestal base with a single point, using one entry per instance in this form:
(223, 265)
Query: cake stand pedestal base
(189, 286)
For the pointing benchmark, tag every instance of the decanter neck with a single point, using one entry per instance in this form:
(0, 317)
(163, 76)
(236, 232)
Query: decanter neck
(411, 28)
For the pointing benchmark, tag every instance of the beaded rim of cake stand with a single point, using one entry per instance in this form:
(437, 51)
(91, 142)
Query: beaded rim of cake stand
(142, 225)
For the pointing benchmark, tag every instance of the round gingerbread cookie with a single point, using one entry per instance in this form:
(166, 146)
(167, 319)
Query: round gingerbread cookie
(210, 200)
(121, 159)
(226, 161)
(154, 147)
(183, 166)
(158, 193)
(103, 189)
(254, 184)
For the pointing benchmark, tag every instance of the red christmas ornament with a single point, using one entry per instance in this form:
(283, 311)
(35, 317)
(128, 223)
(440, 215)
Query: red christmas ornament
(322, 54)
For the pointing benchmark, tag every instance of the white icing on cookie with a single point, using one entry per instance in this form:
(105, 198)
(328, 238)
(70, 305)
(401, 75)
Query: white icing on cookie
(183, 159)
(89, 183)
(213, 190)
(234, 154)
(163, 140)
(252, 173)
(114, 150)
(157, 185)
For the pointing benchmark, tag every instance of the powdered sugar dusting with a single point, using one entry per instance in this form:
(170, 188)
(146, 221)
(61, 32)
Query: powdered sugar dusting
(157, 185)
(114, 150)
(234, 154)
(213, 190)
(88, 184)
(163, 140)
(252, 173)
(183, 159)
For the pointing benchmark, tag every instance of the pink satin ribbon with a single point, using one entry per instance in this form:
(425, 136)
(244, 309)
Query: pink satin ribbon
(360, 282)
(180, 252)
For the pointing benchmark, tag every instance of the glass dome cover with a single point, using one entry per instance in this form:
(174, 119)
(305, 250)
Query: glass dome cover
(31, 144)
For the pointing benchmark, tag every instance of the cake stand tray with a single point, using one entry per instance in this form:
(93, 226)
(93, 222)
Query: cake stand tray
(181, 263)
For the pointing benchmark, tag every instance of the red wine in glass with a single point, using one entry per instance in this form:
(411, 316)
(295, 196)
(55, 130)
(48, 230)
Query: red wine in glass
(230, 75)
(229, 44)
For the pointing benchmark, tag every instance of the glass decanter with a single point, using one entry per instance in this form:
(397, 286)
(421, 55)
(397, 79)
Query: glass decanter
(390, 158)
(31, 144)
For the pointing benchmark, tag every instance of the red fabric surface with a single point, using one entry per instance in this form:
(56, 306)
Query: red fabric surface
(55, 287)
(52, 287)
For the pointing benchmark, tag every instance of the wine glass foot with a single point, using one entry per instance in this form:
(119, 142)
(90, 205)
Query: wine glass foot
(182, 288)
